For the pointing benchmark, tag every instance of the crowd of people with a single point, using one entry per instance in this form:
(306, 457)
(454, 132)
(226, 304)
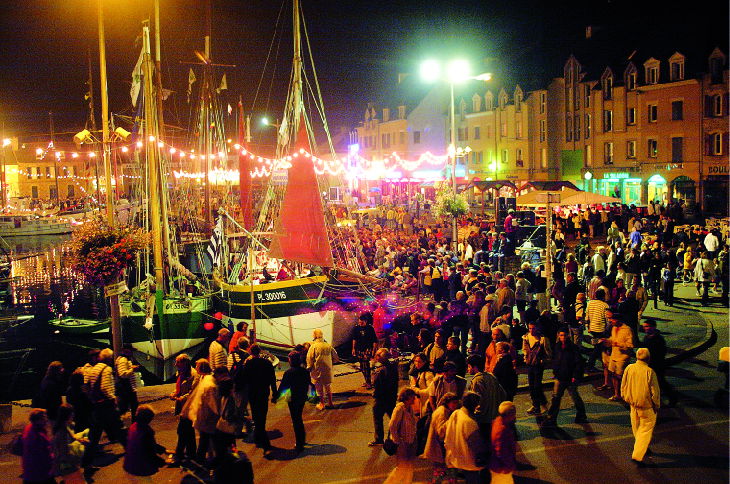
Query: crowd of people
(466, 325)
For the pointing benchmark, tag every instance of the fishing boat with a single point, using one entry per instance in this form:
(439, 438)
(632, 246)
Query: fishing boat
(162, 315)
(295, 232)
(24, 225)
(79, 327)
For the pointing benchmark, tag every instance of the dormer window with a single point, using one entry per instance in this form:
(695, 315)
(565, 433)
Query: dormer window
(607, 87)
(676, 67)
(630, 77)
(651, 71)
(476, 103)
(401, 112)
(717, 61)
(518, 99)
(489, 101)
(502, 99)
(386, 115)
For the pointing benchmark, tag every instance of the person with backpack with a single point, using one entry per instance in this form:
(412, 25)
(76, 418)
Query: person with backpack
(295, 385)
(99, 383)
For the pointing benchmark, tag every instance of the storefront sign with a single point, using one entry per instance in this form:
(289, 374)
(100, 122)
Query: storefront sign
(615, 175)
(717, 169)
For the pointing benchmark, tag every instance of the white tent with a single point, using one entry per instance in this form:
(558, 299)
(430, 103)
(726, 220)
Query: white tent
(587, 198)
(530, 199)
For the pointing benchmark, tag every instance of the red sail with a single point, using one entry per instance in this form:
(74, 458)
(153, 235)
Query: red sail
(244, 175)
(300, 234)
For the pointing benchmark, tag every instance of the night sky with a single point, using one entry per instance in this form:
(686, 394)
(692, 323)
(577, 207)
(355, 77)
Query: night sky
(359, 47)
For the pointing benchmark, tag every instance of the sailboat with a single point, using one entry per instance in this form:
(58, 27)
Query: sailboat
(295, 230)
(160, 318)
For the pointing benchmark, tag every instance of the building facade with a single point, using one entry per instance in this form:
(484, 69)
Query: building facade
(646, 131)
(48, 172)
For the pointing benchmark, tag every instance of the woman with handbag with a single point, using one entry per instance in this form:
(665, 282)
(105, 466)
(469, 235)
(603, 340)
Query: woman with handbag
(402, 431)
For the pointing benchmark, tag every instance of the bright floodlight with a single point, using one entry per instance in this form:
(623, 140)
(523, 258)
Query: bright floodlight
(458, 71)
(6, 142)
(430, 70)
(487, 76)
(265, 121)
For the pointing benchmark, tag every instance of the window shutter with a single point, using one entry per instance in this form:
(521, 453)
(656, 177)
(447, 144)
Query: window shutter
(708, 144)
(708, 106)
(726, 108)
(725, 140)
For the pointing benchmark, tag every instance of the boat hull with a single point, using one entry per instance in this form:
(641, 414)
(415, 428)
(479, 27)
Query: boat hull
(26, 228)
(180, 329)
(288, 311)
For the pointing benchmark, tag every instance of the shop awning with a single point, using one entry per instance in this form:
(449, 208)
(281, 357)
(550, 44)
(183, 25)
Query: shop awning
(530, 199)
(494, 184)
(548, 185)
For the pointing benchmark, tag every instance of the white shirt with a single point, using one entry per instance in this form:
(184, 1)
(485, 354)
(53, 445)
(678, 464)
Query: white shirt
(711, 242)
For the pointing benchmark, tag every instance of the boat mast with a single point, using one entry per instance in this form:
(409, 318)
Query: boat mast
(206, 100)
(151, 130)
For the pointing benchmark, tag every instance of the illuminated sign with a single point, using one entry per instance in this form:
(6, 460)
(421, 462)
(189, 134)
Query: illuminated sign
(615, 175)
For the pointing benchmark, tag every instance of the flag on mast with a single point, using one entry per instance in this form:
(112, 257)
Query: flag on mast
(137, 79)
(191, 80)
(223, 85)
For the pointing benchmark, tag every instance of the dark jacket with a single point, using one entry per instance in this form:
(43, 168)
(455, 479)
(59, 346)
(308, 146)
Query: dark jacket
(37, 454)
(141, 457)
(385, 384)
(50, 395)
(260, 375)
(567, 362)
(657, 347)
(504, 372)
(296, 381)
(459, 360)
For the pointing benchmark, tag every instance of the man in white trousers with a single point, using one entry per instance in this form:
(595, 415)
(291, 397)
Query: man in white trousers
(640, 389)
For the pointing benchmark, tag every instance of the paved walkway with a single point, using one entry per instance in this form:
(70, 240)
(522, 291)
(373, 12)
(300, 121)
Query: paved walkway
(338, 451)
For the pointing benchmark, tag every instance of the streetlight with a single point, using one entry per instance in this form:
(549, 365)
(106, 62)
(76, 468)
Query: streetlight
(457, 72)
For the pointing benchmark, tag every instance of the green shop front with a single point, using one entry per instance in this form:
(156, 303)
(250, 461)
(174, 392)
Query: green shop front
(629, 186)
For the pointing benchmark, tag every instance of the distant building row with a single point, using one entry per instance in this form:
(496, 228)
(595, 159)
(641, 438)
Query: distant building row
(643, 131)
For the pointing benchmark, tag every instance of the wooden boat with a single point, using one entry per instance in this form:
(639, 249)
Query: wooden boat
(78, 326)
(24, 225)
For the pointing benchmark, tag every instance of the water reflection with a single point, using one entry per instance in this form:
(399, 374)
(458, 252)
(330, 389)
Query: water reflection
(43, 284)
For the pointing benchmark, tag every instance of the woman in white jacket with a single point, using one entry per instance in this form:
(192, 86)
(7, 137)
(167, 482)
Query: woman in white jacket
(434, 449)
(402, 431)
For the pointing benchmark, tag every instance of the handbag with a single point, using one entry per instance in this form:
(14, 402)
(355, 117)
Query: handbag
(389, 446)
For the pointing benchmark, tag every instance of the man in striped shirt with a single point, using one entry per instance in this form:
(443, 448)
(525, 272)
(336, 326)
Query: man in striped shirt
(217, 353)
(596, 321)
(99, 385)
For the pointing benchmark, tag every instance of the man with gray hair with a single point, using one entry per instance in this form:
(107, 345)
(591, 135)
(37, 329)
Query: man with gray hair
(217, 352)
(640, 389)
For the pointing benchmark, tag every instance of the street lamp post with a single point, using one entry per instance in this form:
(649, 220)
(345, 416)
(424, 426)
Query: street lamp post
(457, 71)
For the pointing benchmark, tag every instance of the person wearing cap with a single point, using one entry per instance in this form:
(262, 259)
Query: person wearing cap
(640, 389)
(621, 343)
(217, 352)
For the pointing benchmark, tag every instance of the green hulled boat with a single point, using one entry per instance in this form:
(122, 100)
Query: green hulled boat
(79, 327)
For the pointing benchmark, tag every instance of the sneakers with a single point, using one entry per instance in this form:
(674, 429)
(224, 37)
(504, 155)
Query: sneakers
(375, 442)
(615, 399)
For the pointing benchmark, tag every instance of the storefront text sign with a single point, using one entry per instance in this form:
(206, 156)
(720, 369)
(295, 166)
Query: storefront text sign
(717, 169)
(615, 175)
